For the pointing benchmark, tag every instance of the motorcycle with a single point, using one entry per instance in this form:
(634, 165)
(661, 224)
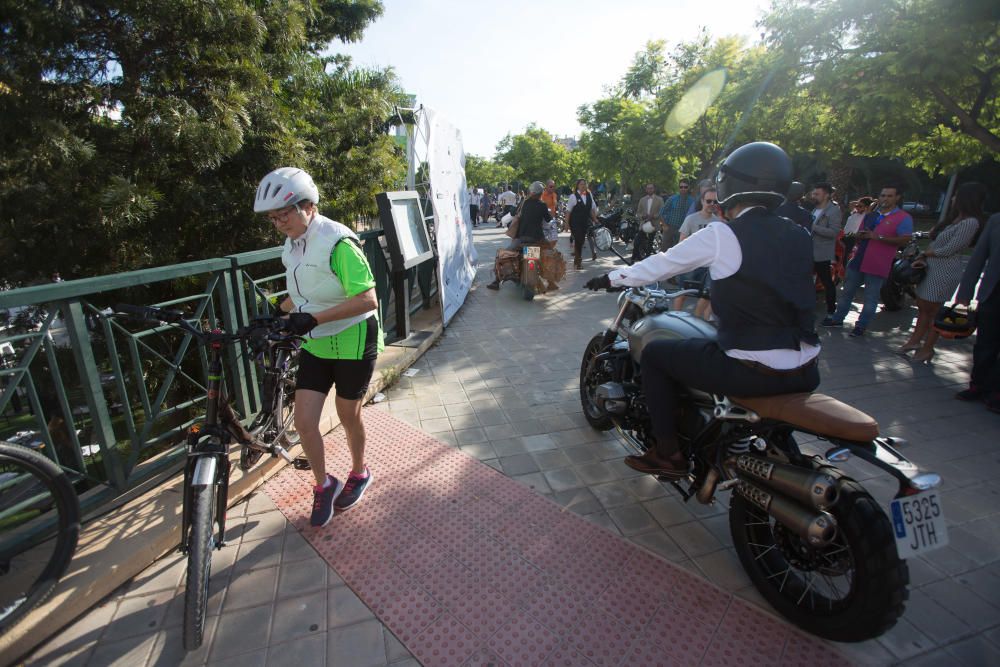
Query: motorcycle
(621, 223)
(903, 277)
(814, 542)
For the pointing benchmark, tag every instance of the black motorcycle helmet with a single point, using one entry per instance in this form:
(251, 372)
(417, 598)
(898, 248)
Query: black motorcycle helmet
(755, 173)
(955, 322)
(904, 273)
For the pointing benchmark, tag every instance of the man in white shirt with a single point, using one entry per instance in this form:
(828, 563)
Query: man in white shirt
(507, 202)
(764, 301)
(473, 197)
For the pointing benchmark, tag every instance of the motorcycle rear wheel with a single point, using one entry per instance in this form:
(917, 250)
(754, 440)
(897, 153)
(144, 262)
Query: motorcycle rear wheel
(803, 591)
(590, 379)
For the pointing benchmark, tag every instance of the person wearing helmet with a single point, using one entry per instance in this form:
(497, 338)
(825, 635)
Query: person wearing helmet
(331, 303)
(763, 300)
(529, 223)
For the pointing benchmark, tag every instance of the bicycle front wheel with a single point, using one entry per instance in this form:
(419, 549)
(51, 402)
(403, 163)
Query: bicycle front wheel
(39, 529)
(199, 568)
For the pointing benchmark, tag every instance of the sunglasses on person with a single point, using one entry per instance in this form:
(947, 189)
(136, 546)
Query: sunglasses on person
(711, 202)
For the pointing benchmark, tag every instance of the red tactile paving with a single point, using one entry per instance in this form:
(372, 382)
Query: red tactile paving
(468, 567)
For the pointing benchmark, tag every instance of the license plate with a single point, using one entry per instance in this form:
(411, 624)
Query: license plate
(918, 524)
(533, 252)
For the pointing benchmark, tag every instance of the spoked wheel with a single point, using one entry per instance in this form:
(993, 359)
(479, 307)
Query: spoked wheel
(850, 590)
(39, 528)
(591, 377)
(199, 567)
(278, 423)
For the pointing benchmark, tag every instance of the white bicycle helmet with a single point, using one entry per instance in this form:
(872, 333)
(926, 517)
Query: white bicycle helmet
(284, 187)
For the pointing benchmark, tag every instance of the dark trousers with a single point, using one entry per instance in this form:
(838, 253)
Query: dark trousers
(474, 214)
(822, 270)
(986, 351)
(702, 364)
(577, 236)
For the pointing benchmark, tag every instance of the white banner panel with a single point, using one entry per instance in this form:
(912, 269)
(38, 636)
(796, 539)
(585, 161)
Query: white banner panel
(456, 253)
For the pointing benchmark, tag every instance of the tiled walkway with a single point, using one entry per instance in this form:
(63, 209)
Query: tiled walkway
(466, 566)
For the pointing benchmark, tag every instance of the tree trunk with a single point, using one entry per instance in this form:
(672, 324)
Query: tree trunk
(840, 177)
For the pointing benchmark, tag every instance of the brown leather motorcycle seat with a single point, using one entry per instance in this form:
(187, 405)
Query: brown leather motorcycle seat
(817, 413)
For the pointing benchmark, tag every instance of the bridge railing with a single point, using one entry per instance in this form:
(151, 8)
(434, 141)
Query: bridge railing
(110, 404)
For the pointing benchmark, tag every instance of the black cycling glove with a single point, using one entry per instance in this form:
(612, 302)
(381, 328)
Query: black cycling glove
(600, 282)
(301, 323)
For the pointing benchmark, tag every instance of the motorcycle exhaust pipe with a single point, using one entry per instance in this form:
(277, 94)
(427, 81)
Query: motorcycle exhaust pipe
(817, 529)
(811, 488)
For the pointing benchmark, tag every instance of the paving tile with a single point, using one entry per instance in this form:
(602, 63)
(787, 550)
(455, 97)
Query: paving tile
(264, 526)
(479, 450)
(933, 619)
(519, 464)
(302, 615)
(658, 541)
(138, 616)
(668, 511)
(359, 645)
(299, 652)
(600, 638)
(124, 652)
(468, 436)
(961, 601)
(974, 651)
(241, 631)
(579, 501)
(595, 472)
(523, 641)
(562, 479)
(169, 651)
(723, 568)
(163, 575)
(445, 642)
(694, 539)
(344, 607)
(535, 481)
(394, 649)
(251, 588)
(632, 519)
(258, 554)
(613, 494)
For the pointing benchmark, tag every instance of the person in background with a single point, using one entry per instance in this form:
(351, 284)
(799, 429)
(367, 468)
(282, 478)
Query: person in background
(880, 235)
(944, 264)
(484, 205)
(859, 209)
(582, 211)
(474, 206)
(792, 207)
(984, 384)
(673, 212)
(550, 197)
(826, 222)
(694, 223)
(506, 203)
(332, 303)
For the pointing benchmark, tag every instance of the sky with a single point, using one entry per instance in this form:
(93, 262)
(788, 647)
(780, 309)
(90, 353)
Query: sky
(491, 68)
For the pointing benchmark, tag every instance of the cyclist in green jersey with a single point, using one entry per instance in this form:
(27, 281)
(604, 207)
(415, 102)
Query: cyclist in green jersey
(332, 303)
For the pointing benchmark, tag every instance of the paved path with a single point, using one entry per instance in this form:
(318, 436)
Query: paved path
(501, 387)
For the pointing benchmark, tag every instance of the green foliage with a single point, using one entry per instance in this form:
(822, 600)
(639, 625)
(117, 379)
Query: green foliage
(534, 156)
(481, 172)
(913, 78)
(134, 132)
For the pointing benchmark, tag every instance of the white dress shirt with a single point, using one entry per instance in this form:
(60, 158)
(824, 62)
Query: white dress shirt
(716, 247)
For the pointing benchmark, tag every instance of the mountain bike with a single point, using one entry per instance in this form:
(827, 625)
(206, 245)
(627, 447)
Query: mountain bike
(39, 528)
(206, 472)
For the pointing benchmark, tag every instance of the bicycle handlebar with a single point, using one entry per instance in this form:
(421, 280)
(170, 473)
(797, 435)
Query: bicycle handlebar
(270, 327)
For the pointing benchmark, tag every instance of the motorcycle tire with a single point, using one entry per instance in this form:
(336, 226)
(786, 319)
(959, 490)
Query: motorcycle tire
(877, 581)
(528, 293)
(589, 380)
(892, 296)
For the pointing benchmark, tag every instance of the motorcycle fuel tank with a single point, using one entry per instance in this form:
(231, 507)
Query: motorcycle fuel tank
(674, 325)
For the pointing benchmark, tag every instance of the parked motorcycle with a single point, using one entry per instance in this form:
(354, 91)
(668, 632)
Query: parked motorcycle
(903, 277)
(621, 223)
(814, 542)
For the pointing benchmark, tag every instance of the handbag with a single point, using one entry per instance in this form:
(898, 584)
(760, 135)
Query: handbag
(514, 225)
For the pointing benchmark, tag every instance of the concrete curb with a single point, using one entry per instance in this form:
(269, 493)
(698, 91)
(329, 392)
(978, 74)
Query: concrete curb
(118, 546)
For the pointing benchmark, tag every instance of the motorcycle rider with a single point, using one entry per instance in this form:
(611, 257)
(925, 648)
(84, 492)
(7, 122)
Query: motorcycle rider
(529, 220)
(763, 298)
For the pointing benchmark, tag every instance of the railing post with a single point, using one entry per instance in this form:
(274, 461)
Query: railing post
(233, 317)
(93, 392)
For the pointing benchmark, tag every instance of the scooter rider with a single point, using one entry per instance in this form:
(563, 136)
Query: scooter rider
(762, 294)
(529, 219)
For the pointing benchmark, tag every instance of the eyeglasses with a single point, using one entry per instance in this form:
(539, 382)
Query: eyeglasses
(711, 201)
(684, 187)
(281, 215)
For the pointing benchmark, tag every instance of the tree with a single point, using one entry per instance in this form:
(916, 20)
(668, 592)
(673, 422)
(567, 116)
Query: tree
(134, 133)
(918, 78)
(645, 75)
(534, 156)
(485, 172)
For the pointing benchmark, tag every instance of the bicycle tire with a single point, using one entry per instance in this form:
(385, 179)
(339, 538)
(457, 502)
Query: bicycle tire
(200, 544)
(284, 402)
(27, 592)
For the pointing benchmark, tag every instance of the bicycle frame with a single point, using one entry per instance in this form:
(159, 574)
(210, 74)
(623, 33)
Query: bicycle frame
(208, 453)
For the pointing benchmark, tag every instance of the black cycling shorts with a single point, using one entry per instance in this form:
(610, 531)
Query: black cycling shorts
(351, 376)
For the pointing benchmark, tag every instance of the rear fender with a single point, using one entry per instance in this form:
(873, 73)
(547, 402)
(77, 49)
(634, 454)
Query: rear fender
(881, 452)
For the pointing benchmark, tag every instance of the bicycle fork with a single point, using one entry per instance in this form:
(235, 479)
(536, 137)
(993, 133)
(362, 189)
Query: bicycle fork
(207, 468)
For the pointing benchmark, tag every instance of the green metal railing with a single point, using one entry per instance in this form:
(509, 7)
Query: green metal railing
(109, 404)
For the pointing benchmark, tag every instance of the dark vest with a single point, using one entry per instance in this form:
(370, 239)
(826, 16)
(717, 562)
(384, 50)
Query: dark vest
(579, 217)
(769, 303)
(533, 213)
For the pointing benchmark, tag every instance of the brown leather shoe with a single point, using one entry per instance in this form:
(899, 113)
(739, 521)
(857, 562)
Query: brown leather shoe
(675, 467)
